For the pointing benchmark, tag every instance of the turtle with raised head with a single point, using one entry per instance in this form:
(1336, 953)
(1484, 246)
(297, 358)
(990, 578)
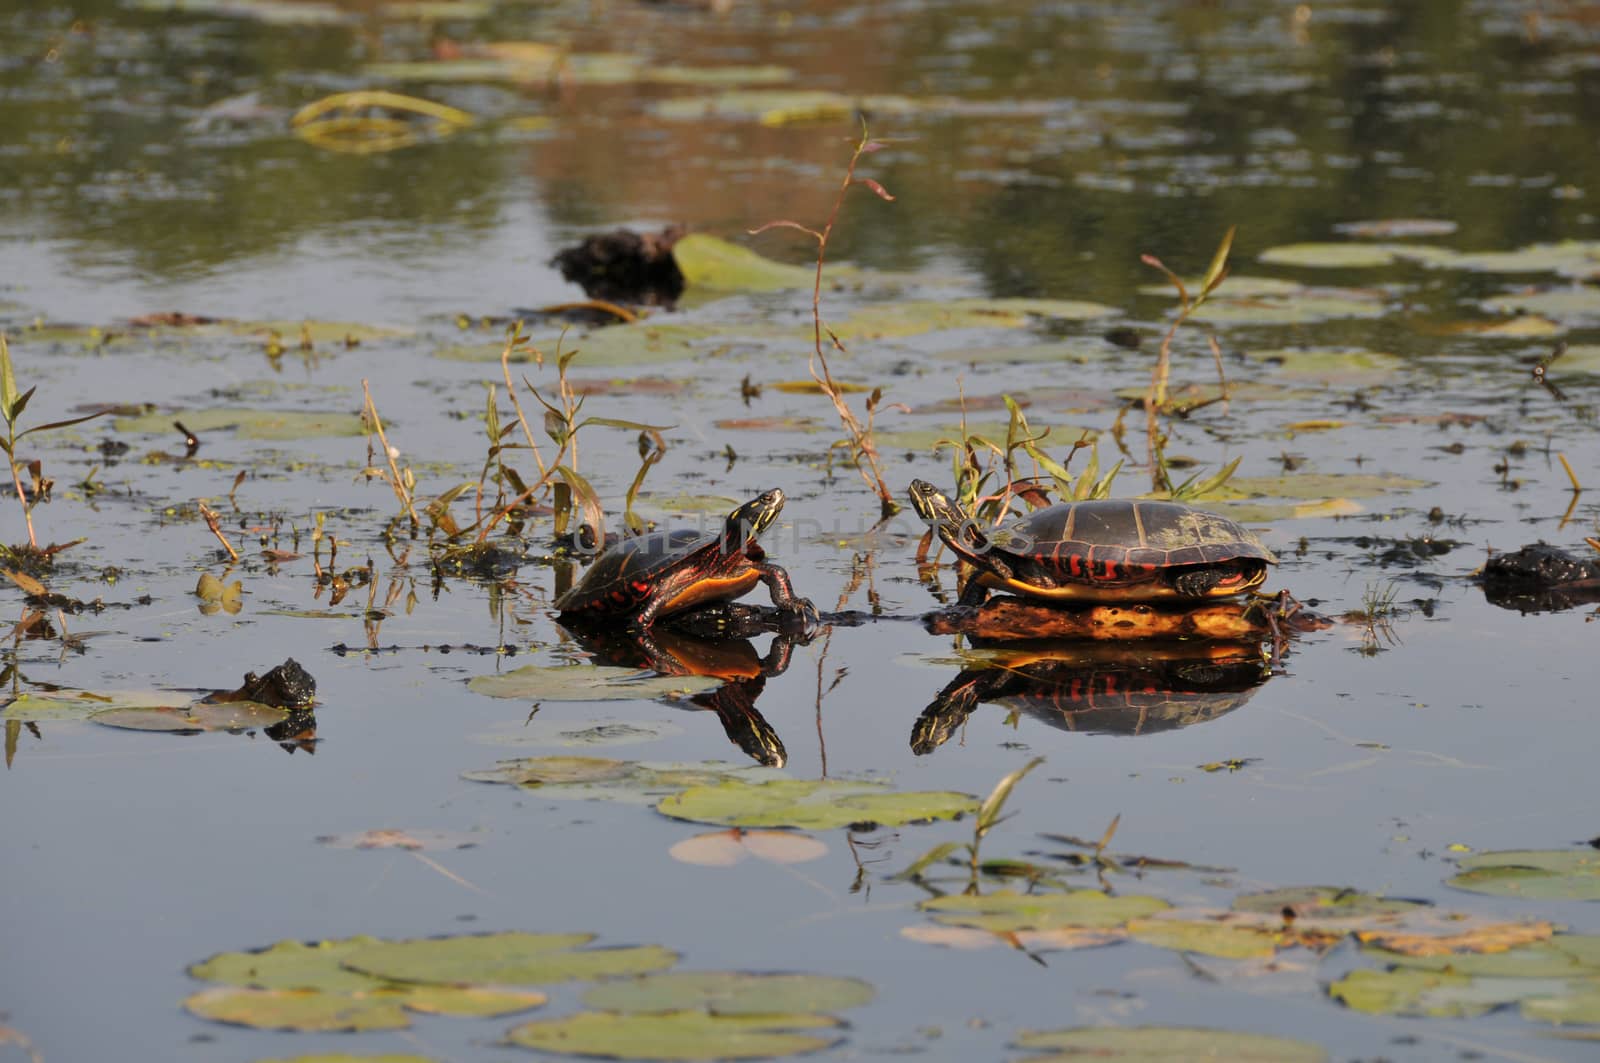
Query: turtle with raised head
(644, 577)
(1111, 550)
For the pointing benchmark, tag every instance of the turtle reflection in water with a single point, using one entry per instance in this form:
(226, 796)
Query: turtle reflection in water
(672, 652)
(1100, 688)
(1540, 578)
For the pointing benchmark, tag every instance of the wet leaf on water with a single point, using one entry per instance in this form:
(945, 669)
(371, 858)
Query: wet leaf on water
(512, 958)
(1561, 956)
(724, 848)
(1164, 1044)
(554, 733)
(1465, 938)
(1331, 365)
(730, 993)
(329, 333)
(598, 779)
(713, 263)
(1303, 307)
(409, 840)
(913, 317)
(1313, 485)
(1581, 301)
(1579, 1002)
(1336, 256)
(811, 804)
(1271, 512)
(301, 1010)
(247, 423)
(586, 682)
(770, 107)
(714, 76)
(678, 1035)
(1009, 911)
(1229, 940)
(473, 1002)
(1521, 326)
(1571, 258)
(1239, 286)
(1397, 227)
(194, 718)
(1058, 939)
(291, 965)
(1436, 994)
(689, 503)
(1315, 902)
(768, 424)
(1545, 875)
(811, 387)
(41, 706)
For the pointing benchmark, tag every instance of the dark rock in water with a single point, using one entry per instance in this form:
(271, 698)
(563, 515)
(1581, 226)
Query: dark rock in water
(625, 266)
(1541, 578)
(287, 686)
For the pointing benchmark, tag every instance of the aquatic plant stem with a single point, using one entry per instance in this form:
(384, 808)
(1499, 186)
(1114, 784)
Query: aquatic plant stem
(395, 481)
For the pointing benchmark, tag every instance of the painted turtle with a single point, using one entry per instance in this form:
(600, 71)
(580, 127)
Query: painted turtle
(1115, 550)
(646, 576)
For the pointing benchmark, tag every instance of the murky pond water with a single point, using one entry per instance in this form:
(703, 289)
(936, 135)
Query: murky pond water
(1413, 194)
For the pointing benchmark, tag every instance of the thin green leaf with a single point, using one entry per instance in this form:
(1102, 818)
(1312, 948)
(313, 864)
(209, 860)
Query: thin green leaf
(989, 812)
(8, 379)
(14, 410)
(1191, 489)
(59, 424)
(927, 859)
(1218, 270)
(1051, 466)
(632, 426)
(586, 499)
(491, 417)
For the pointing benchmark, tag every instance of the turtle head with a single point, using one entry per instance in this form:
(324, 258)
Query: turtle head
(933, 506)
(746, 523)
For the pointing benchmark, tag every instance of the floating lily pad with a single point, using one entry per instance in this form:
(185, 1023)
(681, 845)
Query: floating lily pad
(40, 706)
(408, 840)
(1562, 956)
(730, 993)
(1303, 307)
(772, 107)
(1312, 485)
(1059, 938)
(1518, 327)
(1437, 994)
(1573, 258)
(811, 804)
(327, 333)
(193, 719)
(555, 733)
(301, 1010)
(598, 779)
(1579, 1002)
(678, 1035)
(1545, 875)
(1272, 512)
(1315, 902)
(710, 262)
(512, 958)
(1332, 365)
(914, 317)
(724, 848)
(1228, 940)
(1561, 303)
(1337, 256)
(586, 682)
(247, 423)
(471, 1002)
(291, 965)
(1010, 911)
(1164, 1044)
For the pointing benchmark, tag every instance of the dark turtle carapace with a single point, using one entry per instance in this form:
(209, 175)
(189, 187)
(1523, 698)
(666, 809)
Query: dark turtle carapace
(647, 576)
(1115, 550)
(1541, 578)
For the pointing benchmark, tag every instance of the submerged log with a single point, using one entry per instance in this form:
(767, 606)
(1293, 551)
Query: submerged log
(1008, 618)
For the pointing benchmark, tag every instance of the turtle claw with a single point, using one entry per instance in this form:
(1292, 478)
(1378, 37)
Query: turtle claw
(799, 613)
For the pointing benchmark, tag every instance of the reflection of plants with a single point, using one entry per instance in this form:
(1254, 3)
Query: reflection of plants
(1157, 401)
(1376, 615)
(12, 405)
(861, 446)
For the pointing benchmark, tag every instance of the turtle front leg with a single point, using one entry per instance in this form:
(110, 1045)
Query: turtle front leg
(783, 596)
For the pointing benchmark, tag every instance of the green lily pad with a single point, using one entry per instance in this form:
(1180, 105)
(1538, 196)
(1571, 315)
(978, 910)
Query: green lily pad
(512, 958)
(1563, 956)
(599, 779)
(1397, 227)
(1322, 902)
(291, 965)
(291, 333)
(771, 107)
(555, 733)
(915, 317)
(810, 804)
(1337, 256)
(1436, 994)
(471, 1002)
(1234, 941)
(42, 706)
(730, 993)
(711, 262)
(1304, 307)
(1572, 258)
(586, 682)
(1580, 301)
(1164, 1044)
(247, 423)
(1544, 875)
(1332, 365)
(193, 719)
(303, 1010)
(678, 1035)
(1010, 911)
(1578, 1002)
(1313, 485)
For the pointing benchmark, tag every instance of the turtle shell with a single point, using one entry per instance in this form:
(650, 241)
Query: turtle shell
(1125, 548)
(626, 576)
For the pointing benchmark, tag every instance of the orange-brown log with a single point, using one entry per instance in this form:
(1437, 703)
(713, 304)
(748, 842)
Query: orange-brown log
(1013, 618)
